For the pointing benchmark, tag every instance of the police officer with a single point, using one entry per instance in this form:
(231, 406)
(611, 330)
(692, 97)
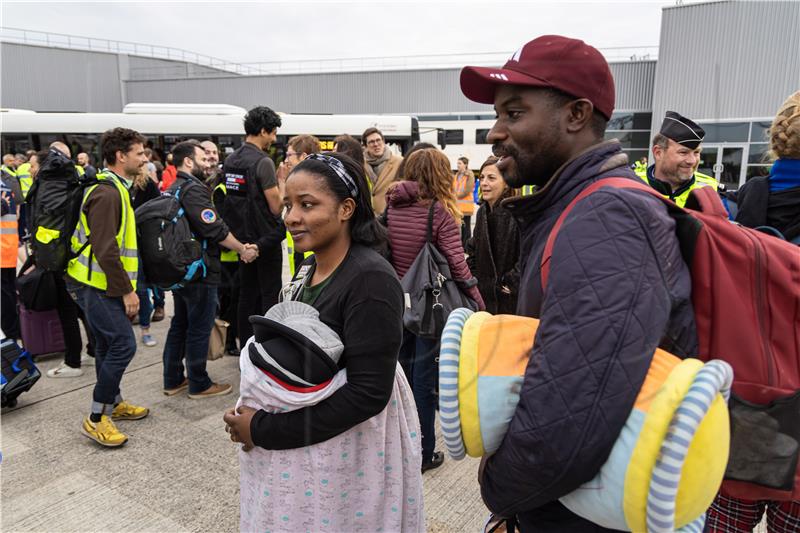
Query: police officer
(196, 303)
(102, 280)
(253, 206)
(676, 150)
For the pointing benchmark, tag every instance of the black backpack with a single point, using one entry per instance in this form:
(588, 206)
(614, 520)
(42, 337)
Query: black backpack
(171, 255)
(55, 199)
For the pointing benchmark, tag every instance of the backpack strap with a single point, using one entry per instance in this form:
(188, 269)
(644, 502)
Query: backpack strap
(616, 182)
(431, 210)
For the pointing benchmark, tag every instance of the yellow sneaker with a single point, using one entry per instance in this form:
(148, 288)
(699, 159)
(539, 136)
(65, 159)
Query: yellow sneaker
(104, 432)
(128, 411)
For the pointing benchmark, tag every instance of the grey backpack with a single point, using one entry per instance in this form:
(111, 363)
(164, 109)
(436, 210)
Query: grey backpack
(430, 290)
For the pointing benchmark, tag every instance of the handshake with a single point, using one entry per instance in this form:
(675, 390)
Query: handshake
(249, 253)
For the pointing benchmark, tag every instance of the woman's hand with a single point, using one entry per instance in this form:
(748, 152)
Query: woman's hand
(238, 425)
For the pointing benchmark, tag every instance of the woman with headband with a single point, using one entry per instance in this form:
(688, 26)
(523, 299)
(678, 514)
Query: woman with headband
(358, 296)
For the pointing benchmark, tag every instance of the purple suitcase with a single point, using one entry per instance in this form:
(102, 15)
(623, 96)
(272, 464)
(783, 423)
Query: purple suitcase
(41, 331)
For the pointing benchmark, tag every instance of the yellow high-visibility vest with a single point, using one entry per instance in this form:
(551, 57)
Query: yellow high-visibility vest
(24, 177)
(84, 268)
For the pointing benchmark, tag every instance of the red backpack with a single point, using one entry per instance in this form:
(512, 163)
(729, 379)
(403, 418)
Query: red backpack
(746, 298)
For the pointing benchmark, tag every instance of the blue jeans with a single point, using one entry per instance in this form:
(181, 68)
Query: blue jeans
(158, 297)
(418, 359)
(189, 330)
(115, 343)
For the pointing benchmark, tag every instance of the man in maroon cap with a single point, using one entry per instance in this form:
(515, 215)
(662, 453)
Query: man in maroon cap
(617, 286)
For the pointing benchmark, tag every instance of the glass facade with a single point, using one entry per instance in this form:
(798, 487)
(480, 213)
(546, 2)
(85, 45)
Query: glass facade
(632, 130)
(739, 147)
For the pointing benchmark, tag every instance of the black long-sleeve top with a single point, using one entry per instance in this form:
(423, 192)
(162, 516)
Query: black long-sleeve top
(363, 303)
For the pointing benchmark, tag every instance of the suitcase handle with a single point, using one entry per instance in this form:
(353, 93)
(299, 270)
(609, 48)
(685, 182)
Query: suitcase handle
(24, 355)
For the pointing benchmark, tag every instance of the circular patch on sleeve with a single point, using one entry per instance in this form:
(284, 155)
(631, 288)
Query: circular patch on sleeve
(208, 216)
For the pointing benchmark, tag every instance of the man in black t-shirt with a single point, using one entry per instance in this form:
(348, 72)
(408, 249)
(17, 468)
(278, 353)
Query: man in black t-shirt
(252, 209)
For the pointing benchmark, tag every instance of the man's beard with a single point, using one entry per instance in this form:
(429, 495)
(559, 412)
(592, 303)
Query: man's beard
(199, 173)
(519, 170)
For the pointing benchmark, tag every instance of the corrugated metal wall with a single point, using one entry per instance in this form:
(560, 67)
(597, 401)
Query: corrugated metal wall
(90, 81)
(55, 79)
(634, 85)
(412, 91)
(727, 59)
(148, 68)
(420, 91)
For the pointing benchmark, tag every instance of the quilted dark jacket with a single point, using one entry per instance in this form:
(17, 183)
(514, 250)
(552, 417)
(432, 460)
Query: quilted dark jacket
(618, 288)
(493, 252)
(407, 219)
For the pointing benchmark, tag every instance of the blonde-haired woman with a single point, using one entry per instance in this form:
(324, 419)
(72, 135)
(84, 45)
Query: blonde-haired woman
(427, 179)
(774, 201)
(143, 190)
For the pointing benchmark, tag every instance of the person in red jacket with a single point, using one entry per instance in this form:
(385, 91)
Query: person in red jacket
(169, 175)
(427, 178)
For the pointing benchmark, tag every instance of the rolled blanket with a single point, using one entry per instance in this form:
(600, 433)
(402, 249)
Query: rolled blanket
(668, 461)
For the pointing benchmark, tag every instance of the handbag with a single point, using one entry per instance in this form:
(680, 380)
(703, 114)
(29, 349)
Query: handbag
(216, 342)
(36, 287)
(431, 293)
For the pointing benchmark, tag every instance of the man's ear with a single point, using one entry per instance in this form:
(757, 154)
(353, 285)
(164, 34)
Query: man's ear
(347, 209)
(580, 113)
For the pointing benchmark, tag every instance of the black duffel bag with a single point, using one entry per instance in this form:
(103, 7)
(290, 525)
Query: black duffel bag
(431, 292)
(36, 287)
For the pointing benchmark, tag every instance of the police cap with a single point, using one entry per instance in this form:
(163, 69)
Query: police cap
(682, 130)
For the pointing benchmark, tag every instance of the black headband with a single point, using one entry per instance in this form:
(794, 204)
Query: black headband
(340, 171)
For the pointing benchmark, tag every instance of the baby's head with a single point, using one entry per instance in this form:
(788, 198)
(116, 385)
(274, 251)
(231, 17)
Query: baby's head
(292, 346)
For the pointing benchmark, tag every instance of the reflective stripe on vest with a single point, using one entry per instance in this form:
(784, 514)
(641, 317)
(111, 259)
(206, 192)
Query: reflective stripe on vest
(226, 256)
(84, 268)
(9, 241)
(700, 180)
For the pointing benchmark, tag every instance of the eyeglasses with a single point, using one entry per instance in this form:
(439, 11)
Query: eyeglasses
(375, 141)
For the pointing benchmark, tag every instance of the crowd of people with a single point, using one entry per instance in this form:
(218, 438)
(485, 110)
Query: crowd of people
(339, 358)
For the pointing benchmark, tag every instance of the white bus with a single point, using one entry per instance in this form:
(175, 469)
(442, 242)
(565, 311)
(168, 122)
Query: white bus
(461, 135)
(164, 125)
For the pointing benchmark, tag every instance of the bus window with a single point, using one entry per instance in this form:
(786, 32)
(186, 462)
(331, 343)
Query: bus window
(454, 136)
(480, 136)
(17, 144)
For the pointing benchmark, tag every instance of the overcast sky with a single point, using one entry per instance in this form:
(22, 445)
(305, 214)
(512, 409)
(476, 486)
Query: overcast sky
(267, 31)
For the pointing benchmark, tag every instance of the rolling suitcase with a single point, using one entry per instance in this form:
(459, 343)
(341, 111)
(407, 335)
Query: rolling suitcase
(41, 331)
(19, 372)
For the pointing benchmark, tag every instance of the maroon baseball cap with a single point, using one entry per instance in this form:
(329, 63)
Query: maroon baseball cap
(569, 65)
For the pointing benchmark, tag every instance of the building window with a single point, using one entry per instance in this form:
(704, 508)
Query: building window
(636, 155)
(757, 170)
(630, 139)
(758, 153)
(454, 136)
(630, 121)
(730, 132)
(759, 132)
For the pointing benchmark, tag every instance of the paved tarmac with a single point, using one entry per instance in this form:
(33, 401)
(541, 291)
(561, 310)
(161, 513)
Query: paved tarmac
(177, 473)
